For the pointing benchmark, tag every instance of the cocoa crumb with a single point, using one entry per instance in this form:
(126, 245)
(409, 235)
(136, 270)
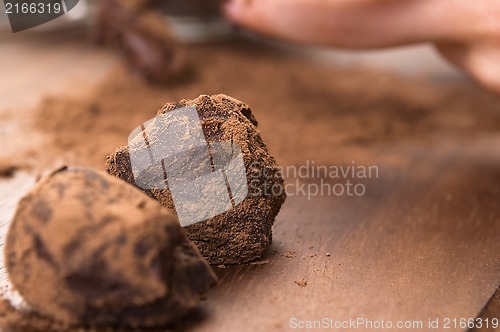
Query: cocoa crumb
(259, 262)
(7, 169)
(302, 283)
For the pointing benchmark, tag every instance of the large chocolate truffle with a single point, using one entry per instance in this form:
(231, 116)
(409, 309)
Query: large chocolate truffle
(244, 232)
(88, 249)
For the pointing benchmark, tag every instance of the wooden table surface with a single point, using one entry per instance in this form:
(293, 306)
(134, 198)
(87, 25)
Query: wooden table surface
(423, 243)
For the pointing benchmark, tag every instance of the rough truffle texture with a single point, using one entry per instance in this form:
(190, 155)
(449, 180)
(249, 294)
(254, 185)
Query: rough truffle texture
(88, 249)
(243, 233)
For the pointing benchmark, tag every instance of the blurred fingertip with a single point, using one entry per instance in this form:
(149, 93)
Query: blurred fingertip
(233, 9)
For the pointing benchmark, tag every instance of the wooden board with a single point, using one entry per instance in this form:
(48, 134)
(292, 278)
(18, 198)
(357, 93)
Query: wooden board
(416, 248)
(489, 313)
(422, 243)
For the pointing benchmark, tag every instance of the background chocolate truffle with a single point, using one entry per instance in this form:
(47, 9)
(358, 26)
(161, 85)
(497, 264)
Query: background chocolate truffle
(144, 37)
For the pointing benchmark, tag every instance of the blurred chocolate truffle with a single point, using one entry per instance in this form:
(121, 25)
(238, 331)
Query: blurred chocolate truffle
(87, 249)
(144, 37)
(242, 233)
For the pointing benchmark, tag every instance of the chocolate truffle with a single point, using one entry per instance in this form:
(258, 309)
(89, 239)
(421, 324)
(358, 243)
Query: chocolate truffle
(144, 37)
(88, 249)
(240, 234)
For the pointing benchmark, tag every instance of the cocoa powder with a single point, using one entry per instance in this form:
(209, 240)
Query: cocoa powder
(306, 111)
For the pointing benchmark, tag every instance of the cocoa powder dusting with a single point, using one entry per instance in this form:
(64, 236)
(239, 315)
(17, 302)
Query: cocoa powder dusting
(306, 111)
(315, 108)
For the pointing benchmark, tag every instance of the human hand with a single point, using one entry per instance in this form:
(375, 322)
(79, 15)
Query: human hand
(465, 32)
